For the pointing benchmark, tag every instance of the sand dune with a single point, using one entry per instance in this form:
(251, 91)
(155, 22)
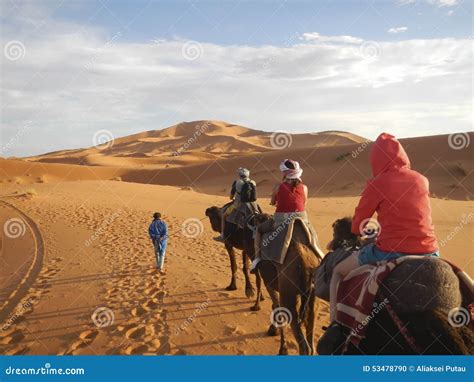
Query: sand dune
(191, 141)
(98, 256)
(333, 163)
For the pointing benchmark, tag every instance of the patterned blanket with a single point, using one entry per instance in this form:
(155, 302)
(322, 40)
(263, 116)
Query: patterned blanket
(357, 292)
(275, 244)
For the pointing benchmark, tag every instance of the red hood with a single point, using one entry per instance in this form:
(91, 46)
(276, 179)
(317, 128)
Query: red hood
(387, 153)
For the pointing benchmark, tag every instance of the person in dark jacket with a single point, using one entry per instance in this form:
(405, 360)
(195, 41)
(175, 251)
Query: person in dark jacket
(158, 231)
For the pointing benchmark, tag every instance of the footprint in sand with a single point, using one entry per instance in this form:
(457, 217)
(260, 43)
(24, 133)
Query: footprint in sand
(136, 349)
(135, 332)
(138, 311)
(12, 338)
(17, 350)
(152, 290)
(151, 304)
(85, 338)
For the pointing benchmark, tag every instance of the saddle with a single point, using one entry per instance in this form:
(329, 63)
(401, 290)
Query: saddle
(408, 284)
(323, 273)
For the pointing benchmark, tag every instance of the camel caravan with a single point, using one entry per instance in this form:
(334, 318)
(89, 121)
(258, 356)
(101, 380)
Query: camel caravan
(389, 290)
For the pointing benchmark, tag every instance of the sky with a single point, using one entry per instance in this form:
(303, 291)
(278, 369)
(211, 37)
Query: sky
(71, 69)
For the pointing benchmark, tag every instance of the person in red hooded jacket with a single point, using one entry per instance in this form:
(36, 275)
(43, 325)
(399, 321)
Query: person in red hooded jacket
(400, 196)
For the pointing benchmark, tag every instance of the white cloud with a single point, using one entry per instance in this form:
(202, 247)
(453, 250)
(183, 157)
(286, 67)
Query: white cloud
(443, 3)
(72, 82)
(315, 36)
(439, 3)
(397, 30)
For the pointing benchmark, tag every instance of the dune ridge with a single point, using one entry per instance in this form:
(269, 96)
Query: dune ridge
(335, 163)
(192, 142)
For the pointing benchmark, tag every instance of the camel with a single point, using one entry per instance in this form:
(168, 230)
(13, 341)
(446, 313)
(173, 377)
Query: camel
(242, 239)
(295, 304)
(427, 331)
(291, 288)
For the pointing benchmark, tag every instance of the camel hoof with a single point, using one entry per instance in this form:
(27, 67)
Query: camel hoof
(249, 292)
(231, 287)
(283, 351)
(272, 331)
(255, 308)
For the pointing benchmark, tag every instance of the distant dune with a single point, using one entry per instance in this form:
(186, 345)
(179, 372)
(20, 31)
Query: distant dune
(204, 155)
(192, 142)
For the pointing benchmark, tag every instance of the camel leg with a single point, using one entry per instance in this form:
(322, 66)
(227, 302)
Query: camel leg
(272, 329)
(249, 291)
(309, 323)
(256, 306)
(283, 348)
(288, 300)
(233, 267)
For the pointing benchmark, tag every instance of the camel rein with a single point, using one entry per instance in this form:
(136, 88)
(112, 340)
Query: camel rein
(403, 329)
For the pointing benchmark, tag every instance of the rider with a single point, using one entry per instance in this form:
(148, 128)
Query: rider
(289, 196)
(400, 196)
(240, 189)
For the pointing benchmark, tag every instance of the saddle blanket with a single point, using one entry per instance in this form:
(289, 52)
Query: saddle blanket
(275, 243)
(356, 294)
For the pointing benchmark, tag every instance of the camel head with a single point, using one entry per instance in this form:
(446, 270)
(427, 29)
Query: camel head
(342, 235)
(215, 216)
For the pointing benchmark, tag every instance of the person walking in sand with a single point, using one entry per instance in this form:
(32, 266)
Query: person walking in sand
(158, 231)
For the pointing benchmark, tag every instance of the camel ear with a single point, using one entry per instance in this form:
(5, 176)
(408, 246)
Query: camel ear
(207, 212)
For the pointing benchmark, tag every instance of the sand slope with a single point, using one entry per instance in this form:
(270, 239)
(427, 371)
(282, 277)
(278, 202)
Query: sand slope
(340, 169)
(190, 142)
(98, 256)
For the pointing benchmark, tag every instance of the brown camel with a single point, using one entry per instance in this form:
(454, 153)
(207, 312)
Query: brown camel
(242, 239)
(429, 330)
(292, 280)
(295, 305)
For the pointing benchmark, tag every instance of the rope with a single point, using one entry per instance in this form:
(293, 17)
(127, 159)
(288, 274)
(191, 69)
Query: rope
(403, 330)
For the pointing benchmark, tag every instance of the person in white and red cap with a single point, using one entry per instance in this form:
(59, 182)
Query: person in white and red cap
(289, 196)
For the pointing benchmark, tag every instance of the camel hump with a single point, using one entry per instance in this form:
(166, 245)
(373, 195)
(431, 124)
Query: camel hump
(422, 284)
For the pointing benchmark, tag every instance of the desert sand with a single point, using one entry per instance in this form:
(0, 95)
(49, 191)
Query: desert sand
(77, 273)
